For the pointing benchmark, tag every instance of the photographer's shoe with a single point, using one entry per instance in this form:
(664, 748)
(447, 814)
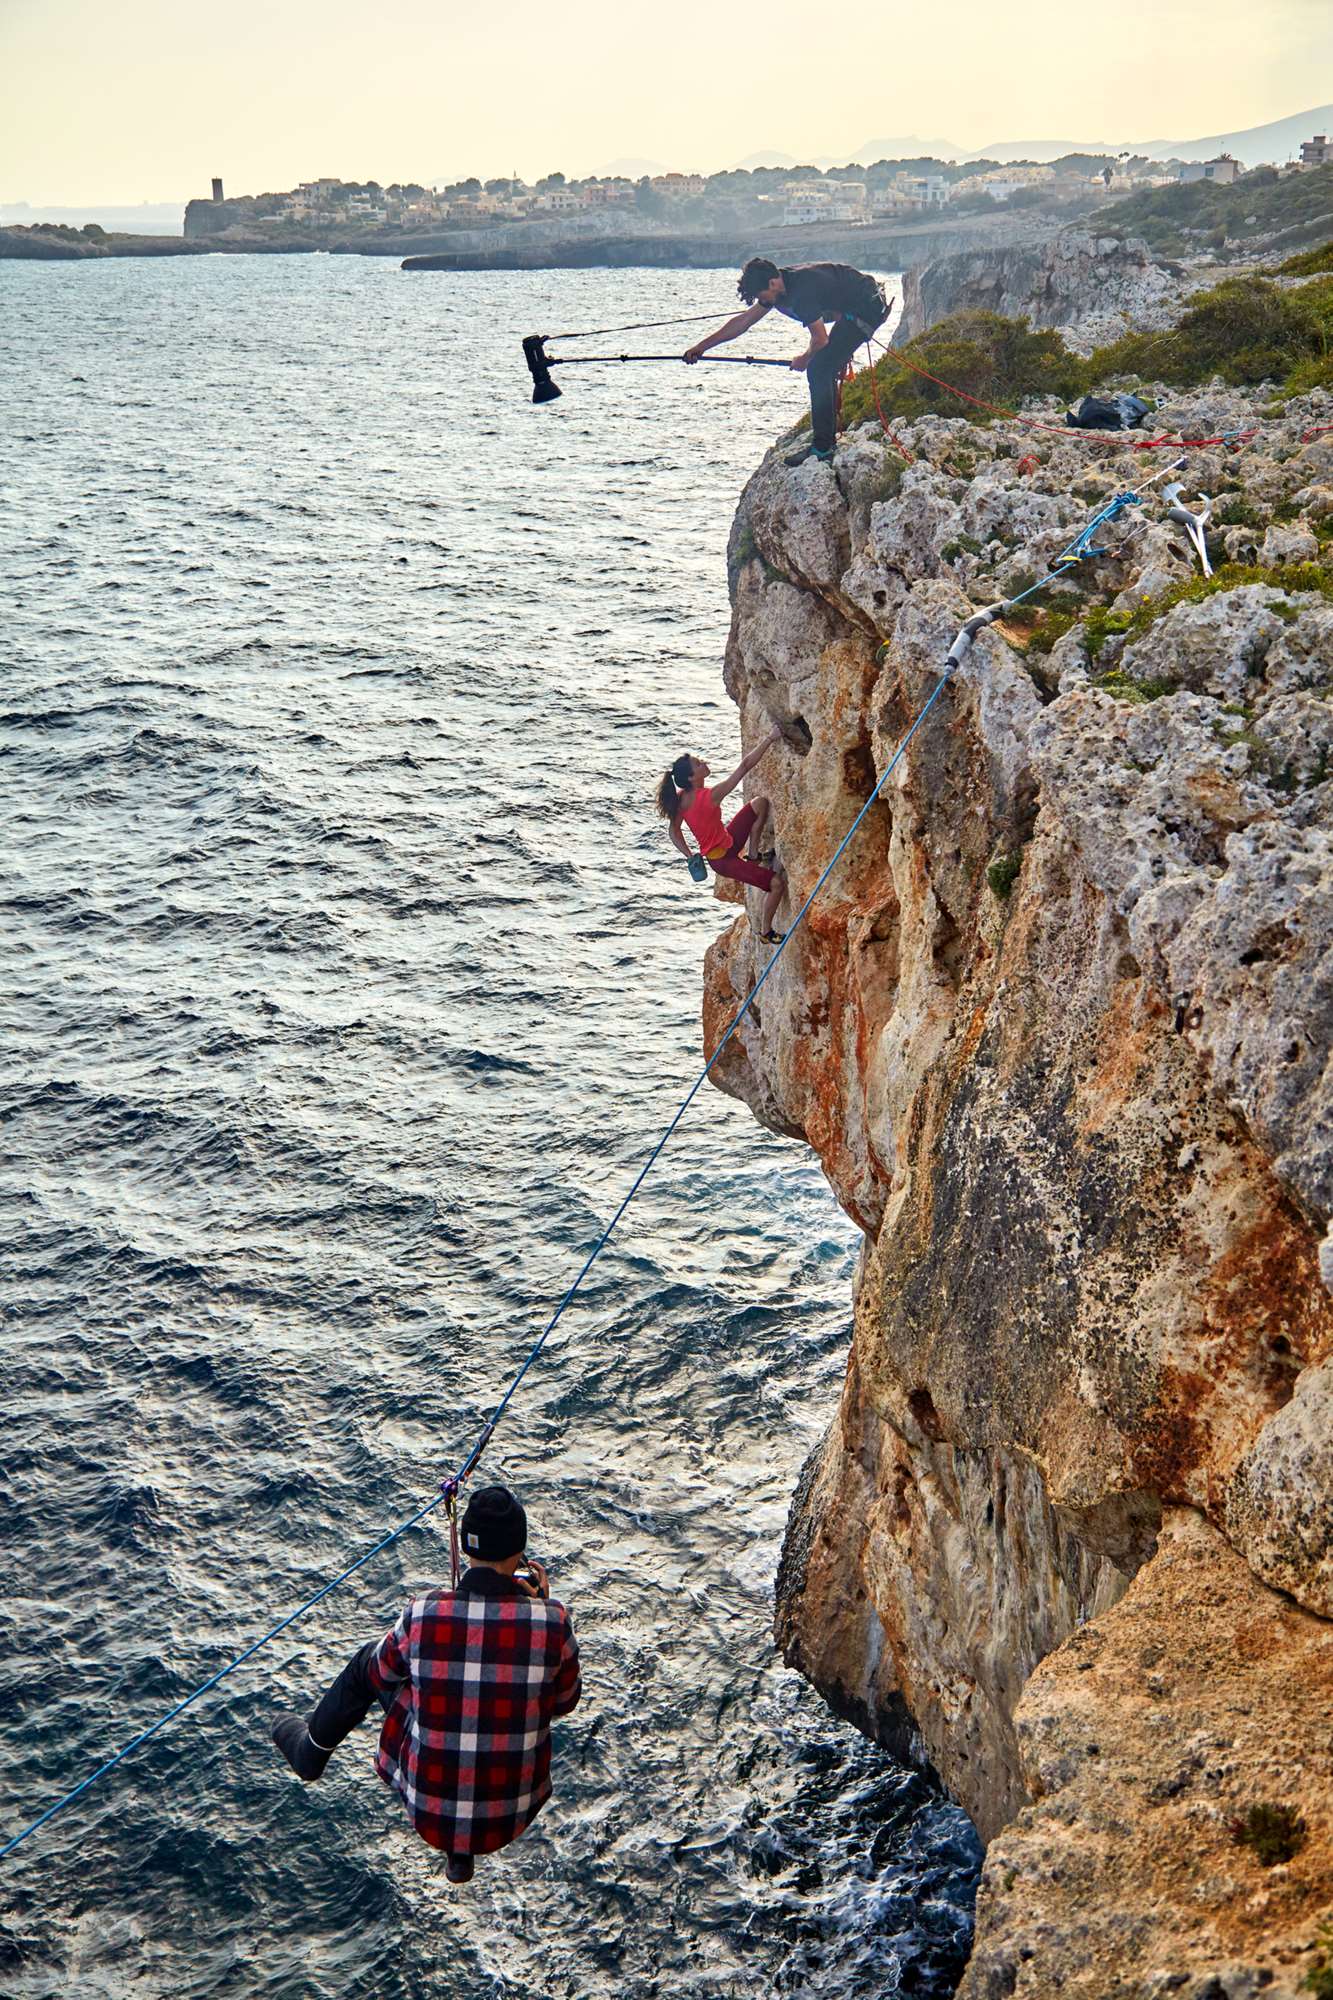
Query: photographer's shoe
(460, 1867)
(299, 1748)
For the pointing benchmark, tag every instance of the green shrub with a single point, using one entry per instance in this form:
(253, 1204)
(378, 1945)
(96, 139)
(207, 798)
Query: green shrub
(1319, 1979)
(1176, 219)
(1002, 875)
(1309, 263)
(983, 354)
(1275, 1833)
(1126, 688)
(1244, 329)
(1047, 624)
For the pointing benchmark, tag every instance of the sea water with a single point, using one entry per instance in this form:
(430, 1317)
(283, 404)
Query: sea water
(349, 978)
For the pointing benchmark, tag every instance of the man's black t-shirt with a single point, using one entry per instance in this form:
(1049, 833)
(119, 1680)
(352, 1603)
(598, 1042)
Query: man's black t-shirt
(827, 291)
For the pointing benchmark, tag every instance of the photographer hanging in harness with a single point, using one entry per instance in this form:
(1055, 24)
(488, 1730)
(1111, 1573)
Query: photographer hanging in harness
(820, 296)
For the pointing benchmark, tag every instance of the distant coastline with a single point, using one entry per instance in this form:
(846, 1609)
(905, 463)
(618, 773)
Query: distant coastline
(885, 246)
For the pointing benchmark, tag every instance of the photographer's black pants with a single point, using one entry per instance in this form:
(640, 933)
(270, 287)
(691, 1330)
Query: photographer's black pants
(844, 339)
(348, 1701)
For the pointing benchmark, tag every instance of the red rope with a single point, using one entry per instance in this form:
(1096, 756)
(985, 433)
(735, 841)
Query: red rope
(1117, 441)
(1308, 437)
(895, 441)
(449, 1488)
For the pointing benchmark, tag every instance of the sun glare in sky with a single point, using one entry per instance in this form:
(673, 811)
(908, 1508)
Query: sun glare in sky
(146, 99)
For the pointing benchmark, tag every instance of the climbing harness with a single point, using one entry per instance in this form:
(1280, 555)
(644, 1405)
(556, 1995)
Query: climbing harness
(1195, 525)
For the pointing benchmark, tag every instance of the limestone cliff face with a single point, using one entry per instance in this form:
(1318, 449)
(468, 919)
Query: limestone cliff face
(1090, 283)
(1058, 1028)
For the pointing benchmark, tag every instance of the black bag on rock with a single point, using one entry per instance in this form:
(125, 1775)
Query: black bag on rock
(1108, 413)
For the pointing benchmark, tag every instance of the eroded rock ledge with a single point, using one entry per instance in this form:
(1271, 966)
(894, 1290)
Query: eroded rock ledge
(1058, 1030)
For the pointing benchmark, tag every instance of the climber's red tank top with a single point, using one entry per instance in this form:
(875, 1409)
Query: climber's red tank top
(704, 819)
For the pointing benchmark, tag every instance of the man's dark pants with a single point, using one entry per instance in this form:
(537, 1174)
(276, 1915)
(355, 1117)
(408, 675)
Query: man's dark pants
(348, 1701)
(823, 373)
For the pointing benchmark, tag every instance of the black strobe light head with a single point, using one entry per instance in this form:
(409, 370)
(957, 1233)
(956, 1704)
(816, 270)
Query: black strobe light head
(534, 353)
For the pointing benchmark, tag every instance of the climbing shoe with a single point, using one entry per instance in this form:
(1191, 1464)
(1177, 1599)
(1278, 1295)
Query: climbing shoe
(299, 1748)
(460, 1867)
(799, 457)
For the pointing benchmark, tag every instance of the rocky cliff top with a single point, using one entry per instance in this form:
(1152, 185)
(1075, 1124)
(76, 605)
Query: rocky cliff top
(1091, 283)
(1058, 1029)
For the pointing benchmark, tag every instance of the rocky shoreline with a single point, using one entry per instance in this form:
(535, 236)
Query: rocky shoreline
(881, 247)
(1059, 1030)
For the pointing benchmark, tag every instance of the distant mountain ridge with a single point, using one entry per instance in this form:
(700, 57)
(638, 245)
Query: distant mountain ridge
(1280, 140)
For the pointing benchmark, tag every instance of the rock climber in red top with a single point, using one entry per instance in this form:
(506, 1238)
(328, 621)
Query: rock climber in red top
(683, 795)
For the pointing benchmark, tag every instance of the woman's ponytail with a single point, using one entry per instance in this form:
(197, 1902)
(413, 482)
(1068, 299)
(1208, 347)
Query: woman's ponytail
(674, 782)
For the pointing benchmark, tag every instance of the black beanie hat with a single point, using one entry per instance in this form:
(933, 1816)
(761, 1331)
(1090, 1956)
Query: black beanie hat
(494, 1525)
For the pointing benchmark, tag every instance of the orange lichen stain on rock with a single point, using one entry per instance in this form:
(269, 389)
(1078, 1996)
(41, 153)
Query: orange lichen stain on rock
(1127, 1045)
(1256, 1639)
(819, 1062)
(972, 1034)
(858, 770)
(1246, 1723)
(1263, 1306)
(1219, 798)
(1175, 1439)
(1263, 1314)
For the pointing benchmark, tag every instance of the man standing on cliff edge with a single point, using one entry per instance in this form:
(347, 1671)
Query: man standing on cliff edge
(814, 294)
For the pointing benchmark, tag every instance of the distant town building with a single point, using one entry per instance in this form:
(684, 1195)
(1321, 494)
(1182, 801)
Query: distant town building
(604, 194)
(217, 189)
(823, 201)
(1223, 170)
(1316, 152)
(678, 187)
(998, 190)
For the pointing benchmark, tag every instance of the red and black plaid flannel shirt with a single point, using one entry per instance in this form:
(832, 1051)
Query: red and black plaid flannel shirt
(480, 1674)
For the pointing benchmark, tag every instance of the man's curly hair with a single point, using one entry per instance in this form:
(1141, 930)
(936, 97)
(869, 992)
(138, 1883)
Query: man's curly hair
(754, 277)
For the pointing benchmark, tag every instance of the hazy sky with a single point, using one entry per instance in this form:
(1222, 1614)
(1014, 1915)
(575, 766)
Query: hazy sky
(126, 100)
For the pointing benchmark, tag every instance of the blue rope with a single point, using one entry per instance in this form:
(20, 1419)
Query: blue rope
(1073, 553)
(230, 1668)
